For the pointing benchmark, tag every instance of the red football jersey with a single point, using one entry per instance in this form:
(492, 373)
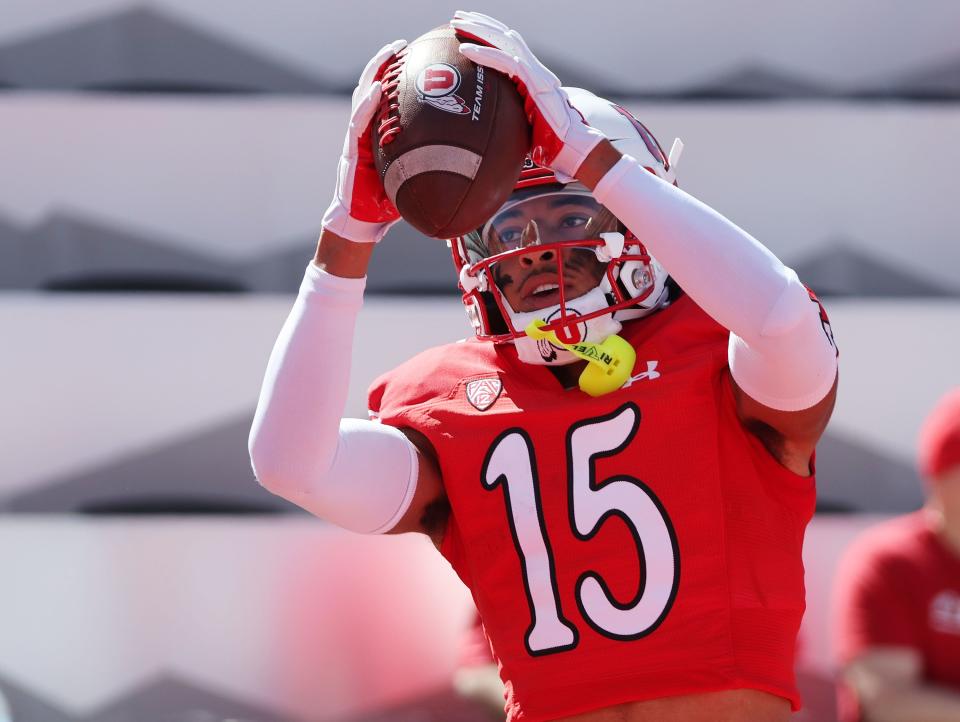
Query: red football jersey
(637, 545)
(899, 586)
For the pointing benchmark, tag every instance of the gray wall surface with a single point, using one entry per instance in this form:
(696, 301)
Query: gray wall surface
(244, 182)
(679, 45)
(146, 399)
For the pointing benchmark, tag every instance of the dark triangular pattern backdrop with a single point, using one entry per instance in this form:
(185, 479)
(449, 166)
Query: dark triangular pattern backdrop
(754, 81)
(129, 50)
(413, 263)
(409, 263)
(206, 472)
(840, 269)
(25, 706)
(209, 472)
(17, 268)
(68, 251)
(575, 77)
(281, 270)
(171, 699)
(132, 50)
(937, 81)
(855, 476)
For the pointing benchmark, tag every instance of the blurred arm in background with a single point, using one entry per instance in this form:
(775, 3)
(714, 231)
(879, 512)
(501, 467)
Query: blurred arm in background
(889, 685)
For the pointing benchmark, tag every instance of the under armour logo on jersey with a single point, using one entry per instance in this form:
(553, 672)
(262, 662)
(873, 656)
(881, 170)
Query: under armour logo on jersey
(483, 392)
(651, 373)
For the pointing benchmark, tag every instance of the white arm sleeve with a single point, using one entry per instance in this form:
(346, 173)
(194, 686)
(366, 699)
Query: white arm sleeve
(780, 353)
(358, 474)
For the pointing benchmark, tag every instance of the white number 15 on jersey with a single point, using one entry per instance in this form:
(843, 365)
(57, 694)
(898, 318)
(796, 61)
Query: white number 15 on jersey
(511, 462)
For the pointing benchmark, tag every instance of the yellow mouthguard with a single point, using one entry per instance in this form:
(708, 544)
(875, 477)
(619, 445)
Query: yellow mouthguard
(609, 362)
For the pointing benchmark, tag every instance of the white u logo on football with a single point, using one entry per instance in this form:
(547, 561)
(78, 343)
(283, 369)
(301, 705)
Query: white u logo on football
(438, 80)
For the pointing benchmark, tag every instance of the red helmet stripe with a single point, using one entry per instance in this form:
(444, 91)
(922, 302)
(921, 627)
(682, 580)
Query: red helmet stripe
(649, 139)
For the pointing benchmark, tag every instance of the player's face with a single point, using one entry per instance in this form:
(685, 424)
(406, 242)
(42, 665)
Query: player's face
(531, 281)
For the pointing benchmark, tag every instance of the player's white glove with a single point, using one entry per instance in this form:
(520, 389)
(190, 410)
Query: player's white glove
(561, 138)
(360, 210)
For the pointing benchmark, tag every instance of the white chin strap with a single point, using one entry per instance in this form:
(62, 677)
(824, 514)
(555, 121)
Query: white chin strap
(595, 330)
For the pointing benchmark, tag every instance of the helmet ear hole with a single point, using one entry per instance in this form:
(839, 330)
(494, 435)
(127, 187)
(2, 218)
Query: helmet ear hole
(636, 278)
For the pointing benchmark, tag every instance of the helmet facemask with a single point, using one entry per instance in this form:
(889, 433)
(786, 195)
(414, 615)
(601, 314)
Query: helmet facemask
(552, 253)
(627, 282)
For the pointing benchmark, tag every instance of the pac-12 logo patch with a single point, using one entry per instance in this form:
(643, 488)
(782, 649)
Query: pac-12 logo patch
(483, 392)
(437, 85)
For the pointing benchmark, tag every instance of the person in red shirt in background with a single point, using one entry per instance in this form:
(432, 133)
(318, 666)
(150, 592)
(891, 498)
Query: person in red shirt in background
(898, 598)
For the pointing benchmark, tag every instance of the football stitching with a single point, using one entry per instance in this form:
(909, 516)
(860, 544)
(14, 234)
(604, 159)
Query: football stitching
(388, 114)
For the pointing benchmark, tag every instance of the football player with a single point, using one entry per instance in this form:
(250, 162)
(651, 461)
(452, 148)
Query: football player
(620, 463)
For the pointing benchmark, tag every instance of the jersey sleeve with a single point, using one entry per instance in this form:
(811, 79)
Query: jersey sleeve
(390, 397)
(401, 395)
(874, 606)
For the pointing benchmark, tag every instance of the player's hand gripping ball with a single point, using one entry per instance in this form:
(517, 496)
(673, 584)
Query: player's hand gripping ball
(360, 210)
(449, 137)
(561, 138)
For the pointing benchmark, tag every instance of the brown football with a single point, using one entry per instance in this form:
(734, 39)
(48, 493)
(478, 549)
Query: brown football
(449, 138)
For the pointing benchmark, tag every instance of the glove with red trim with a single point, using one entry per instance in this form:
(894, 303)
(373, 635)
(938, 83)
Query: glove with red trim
(561, 138)
(360, 210)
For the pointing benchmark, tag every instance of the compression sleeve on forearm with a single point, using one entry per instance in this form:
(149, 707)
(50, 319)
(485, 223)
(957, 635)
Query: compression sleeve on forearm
(357, 474)
(780, 352)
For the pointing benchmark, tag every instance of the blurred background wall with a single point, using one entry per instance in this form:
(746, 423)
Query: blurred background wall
(163, 169)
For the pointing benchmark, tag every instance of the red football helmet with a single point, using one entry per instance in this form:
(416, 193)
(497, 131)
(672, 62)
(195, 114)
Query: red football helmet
(553, 253)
